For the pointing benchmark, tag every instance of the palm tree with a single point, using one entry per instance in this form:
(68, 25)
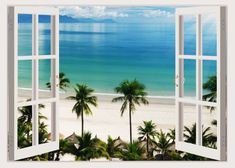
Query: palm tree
(171, 134)
(163, 143)
(148, 133)
(25, 127)
(211, 86)
(25, 122)
(89, 148)
(114, 146)
(64, 82)
(133, 151)
(83, 99)
(133, 93)
(208, 138)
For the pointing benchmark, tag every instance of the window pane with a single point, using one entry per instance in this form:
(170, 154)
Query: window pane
(189, 123)
(209, 127)
(45, 78)
(24, 80)
(44, 122)
(44, 34)
(189, 81)
(24, 35)
(189, 35)
(209, 81)
(209, 38)
(24, 126)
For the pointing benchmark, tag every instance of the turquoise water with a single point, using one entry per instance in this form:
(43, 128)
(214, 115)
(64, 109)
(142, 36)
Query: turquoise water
(103, 54)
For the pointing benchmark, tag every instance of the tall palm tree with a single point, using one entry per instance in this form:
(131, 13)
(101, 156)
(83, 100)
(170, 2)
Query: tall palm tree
(211, 86)
(133, 93)
(64, 82)
(148, 133)
(83, 99)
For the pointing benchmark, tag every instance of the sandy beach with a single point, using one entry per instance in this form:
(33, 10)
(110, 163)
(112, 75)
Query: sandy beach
(106, 119)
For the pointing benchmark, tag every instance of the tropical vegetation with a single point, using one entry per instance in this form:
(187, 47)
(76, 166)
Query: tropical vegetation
(152, 144)
(84, 99)
(64, 82)
(133, 92)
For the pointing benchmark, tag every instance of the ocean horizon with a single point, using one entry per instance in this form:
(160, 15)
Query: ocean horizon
(102, 55)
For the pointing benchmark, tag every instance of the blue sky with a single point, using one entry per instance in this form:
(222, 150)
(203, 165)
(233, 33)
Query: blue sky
(115, 13)
(120, 14)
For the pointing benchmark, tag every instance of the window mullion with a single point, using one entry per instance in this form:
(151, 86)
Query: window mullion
(54, 77)
(198, 79)
(35, 73)
(179, 76)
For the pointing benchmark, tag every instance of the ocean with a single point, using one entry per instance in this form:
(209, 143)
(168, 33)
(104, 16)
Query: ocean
(102, 55)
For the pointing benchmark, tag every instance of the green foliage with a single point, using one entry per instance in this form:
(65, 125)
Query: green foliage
(86, 147)
(208, 138)
(133, 151)
(133, 93)
(171, 135)
(89, 148)
(148, 134)
(64, 82)
(25, 128)
(211, 86)
(114, 147)
(174, 155)
(83, 99)
(163, 142)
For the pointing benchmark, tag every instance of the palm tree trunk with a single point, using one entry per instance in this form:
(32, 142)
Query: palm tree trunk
(82, 123)
(57, 155)
(130, 123)
(147, 146)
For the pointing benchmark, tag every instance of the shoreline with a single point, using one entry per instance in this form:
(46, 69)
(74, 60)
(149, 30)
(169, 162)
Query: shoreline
(102, 96)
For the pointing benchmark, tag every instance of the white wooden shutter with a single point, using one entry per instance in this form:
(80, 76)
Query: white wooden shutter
(198, 61)
(35, 59)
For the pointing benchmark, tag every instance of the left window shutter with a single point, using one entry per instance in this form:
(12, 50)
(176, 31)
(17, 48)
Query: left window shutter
(33, 51)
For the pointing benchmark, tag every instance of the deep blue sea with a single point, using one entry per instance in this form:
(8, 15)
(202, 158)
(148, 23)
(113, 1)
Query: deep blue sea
(101, 55)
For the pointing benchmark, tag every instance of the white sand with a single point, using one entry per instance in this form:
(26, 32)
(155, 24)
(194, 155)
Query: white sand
(106, 119)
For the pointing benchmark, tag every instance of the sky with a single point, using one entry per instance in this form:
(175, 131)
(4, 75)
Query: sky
(120, 14)
(138, 14)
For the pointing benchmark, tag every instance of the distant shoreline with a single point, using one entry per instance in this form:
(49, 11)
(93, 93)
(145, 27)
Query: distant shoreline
(104, 96)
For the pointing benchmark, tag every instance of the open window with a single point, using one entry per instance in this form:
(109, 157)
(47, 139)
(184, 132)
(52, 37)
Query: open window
(28, 62)
(201, 45)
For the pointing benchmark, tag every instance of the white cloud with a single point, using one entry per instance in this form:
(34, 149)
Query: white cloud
(157, 13)
(91, 12)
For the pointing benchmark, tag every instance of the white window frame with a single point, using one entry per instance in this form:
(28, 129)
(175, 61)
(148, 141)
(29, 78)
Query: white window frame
(221, 152)
(13, 58)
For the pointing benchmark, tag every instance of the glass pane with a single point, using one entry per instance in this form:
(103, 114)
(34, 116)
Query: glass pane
(45, 78)
(24, 35)
(189, 35)
(209, 39)
(44, 34)
(24, 126)
(44, 123)
(24, 80)
(209, 81)
(189, 81)
(209, 127)
(189, 122)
